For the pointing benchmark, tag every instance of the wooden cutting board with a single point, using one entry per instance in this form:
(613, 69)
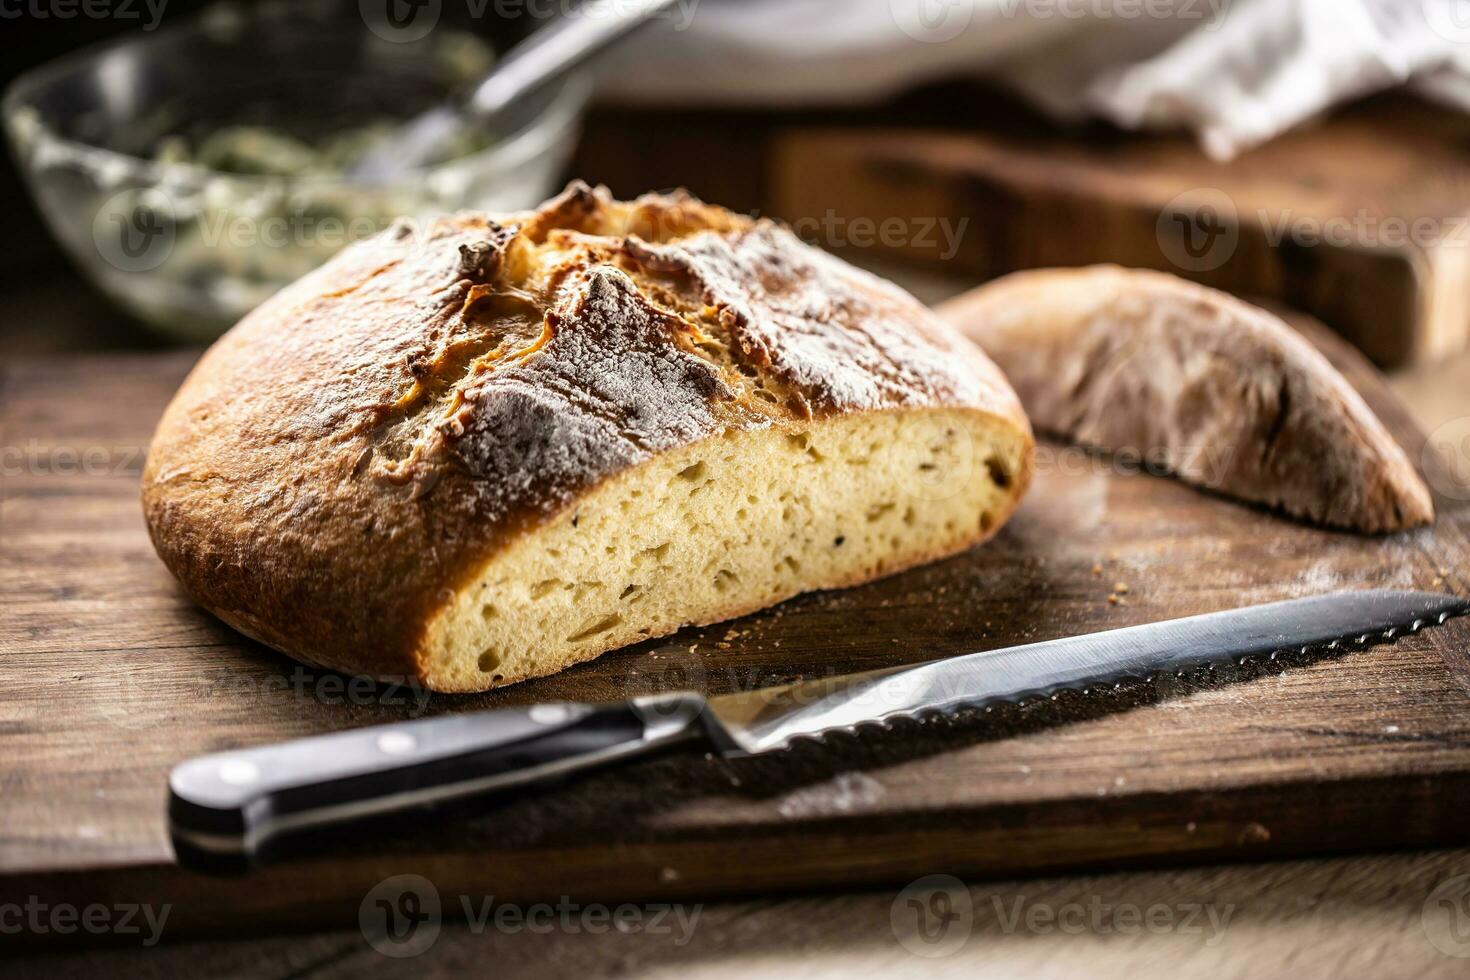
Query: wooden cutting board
(114, 677)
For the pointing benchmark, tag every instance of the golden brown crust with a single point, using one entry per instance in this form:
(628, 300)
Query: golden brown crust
(338, 463)
(1222, 393)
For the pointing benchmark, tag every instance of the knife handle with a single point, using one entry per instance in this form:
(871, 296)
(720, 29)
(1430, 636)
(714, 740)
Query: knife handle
(225, 809)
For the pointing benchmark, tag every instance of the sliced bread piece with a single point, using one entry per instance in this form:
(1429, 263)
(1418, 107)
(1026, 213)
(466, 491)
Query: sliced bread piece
(1221, 393)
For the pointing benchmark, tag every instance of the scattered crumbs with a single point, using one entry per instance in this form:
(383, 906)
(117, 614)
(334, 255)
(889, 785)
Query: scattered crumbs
(1023, 769)
(1119, 781)
(1391, 729)
(1191, 827)
(722, 645)
(1253, 833)
(668, 874)
(1113, 600)
(693, 647)
(849, 791)
(1097, 571)
(1121, 588)
(1320, 577)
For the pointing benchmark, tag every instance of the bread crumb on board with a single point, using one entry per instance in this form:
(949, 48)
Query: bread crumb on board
(1115, 598)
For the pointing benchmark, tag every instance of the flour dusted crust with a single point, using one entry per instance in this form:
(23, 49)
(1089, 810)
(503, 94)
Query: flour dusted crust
(489, 448)
(1224, 394)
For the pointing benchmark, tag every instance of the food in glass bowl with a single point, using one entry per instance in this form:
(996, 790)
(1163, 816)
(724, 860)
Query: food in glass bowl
(194, 172)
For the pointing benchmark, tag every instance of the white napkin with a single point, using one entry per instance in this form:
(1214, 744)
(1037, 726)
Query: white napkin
(1236, 72)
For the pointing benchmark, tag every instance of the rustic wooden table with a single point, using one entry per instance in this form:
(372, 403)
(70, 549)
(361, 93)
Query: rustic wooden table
(1373, 915)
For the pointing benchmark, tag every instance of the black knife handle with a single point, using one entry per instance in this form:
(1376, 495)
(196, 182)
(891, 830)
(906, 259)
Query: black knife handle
(224, 808)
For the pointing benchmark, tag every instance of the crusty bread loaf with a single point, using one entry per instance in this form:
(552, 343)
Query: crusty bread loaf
(1222, 393)
(489, 449)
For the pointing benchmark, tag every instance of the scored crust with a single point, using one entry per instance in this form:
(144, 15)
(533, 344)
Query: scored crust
(453, 453)
(1222, 393)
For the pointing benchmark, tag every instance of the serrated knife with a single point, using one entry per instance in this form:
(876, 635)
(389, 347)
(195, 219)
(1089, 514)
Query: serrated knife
(226, 808)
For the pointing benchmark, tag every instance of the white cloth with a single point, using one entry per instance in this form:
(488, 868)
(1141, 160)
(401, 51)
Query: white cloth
(1236, 72)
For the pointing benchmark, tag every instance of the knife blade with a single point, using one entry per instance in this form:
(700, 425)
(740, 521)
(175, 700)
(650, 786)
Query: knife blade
(227, 810)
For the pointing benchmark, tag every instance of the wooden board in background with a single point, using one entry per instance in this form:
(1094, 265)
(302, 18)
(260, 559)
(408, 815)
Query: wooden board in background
(1377, 198)
(114, 677)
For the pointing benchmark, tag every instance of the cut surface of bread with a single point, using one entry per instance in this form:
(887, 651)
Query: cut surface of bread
(485, 449)
(724, 527)
(1221, 393)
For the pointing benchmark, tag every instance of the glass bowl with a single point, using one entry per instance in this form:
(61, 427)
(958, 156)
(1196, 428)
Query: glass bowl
(104, 138)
